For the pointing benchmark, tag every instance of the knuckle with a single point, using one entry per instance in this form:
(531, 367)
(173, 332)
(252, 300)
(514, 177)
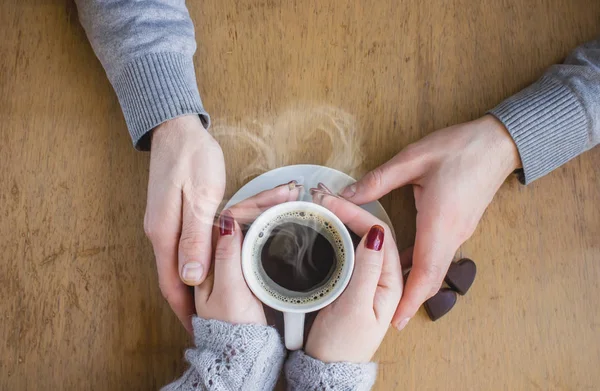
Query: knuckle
(149, 229)
(464, 231)
(374, 179)
(169, 294)
(222, 252)
(195, 228)
(154, 232)
(203, 196)
(213, 145)
(411, 151)
(191, 244)
(433, 274)
(372, 268)
(435, 288)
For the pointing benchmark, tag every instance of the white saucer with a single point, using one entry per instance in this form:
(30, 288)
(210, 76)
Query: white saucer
(308, 175)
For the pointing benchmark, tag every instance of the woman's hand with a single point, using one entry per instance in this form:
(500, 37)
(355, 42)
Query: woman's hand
(455, 173)
(224, 294)
(352, 327)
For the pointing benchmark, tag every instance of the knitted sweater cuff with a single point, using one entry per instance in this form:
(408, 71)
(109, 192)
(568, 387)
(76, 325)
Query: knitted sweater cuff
(548, 124)
(155, 88)
(232, 357)
(306, 373)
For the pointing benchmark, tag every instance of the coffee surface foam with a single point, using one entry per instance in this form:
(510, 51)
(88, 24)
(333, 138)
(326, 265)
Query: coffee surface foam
(325, 228)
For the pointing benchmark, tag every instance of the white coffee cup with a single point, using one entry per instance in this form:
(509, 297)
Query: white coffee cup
(295, 305)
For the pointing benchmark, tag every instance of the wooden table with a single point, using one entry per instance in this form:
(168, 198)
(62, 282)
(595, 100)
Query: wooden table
(80, 306)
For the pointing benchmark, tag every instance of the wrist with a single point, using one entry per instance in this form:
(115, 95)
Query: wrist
(330, 355)
(313, 354)
(175, 129)
(502, 143)
(320, 354)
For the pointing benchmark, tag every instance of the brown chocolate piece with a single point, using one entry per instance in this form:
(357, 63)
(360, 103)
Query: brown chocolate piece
(439, 305)
(461, 275)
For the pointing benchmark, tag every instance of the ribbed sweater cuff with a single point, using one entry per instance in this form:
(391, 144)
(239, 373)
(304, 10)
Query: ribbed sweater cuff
(156, 88)
(547, 123)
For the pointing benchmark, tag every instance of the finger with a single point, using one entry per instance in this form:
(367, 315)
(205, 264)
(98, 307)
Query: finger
(431, 258)
(390, 285)
(396, 172)
(203, 291)
(228, 263)
(162, 224)
(367, 269)
(360, 221)
(177, 294)
(199, 207)
(247, 211)
(322, 186)
(353, 216)
(406, 259)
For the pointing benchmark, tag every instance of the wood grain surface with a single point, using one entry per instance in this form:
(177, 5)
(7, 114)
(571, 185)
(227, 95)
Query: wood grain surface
(354, 82)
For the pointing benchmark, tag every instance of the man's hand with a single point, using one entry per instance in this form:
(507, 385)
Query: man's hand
(455, 173)
(185, 188)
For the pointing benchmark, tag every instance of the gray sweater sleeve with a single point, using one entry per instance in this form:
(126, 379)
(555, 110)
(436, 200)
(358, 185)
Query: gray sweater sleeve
(146, 48)
(231, 357)
(558, 117)
(304, 373)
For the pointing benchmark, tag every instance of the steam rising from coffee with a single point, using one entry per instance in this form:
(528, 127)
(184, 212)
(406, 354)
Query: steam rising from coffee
(322, 135)
(292, 244)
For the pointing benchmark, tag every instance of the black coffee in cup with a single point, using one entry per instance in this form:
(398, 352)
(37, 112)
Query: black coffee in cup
(298, 257)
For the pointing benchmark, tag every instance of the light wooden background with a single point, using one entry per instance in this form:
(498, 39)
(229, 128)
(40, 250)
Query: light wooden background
(80, 307)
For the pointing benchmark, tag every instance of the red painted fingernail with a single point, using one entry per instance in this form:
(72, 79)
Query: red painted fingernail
(374, 239)
(226, 224)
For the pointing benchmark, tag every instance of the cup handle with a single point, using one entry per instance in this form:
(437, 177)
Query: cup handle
(293, 329)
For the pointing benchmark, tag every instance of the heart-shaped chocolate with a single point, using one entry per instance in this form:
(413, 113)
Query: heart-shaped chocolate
(461, 275)
(439, 305)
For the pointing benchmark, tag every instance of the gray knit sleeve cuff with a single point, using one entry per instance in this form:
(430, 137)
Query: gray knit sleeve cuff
(548, 124)
(231, 357)
(156, 88)
(306, 373)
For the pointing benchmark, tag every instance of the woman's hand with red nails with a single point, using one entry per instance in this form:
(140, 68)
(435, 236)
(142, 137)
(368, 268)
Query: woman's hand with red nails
(352, 327)
(455, 173)
(224, 294)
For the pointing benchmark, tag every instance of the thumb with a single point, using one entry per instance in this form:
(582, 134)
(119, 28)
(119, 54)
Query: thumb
(228, 253)
(195, 243)
(400, 170)
(433, 252)
(367, 269)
